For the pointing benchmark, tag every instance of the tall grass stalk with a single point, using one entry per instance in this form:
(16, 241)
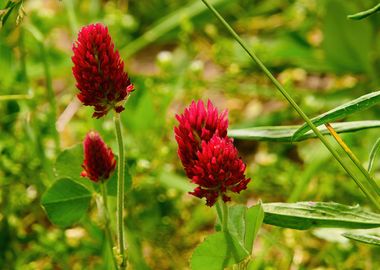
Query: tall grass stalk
(369, 187)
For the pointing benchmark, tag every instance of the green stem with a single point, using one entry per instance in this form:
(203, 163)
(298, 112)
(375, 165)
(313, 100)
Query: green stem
(103, 189)
(120, 192)
(223, 214)
(353, 158)
(368, 191)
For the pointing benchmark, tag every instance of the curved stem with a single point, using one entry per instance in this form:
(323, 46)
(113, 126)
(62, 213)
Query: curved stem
(363, 184)
(103, 189)
(372, 154)
(120, 192)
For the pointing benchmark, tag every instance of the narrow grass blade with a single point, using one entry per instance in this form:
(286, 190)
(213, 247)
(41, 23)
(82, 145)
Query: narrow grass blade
(364, 14)
(364, 238)
(307, 215)
(365, 182)
(15, 97)
(165, 25)
(356, 105)
(285, 133)
(372, 155)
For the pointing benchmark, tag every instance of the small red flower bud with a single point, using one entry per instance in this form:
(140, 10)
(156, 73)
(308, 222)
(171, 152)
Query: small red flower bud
(99, 71)
(209, 157)
(99, 161)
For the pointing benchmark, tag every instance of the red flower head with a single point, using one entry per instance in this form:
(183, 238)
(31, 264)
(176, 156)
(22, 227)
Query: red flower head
(99, 161)
(99, 71)
(198, 124)
(209, 157)
(217, 169)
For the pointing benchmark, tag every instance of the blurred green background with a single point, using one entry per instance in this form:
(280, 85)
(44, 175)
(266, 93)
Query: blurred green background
(175, 51)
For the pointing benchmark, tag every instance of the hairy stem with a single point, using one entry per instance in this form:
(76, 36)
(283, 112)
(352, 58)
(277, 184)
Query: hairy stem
(107, 223)
(120, 192)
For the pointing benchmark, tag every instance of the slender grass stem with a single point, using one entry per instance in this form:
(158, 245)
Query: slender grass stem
(49, 86)
(107, 223)
(50, 96)
(120, 192)
(15, 97)
(364, 186)
(372, 184)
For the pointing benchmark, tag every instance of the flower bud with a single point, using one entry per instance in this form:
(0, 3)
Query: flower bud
(99, 161)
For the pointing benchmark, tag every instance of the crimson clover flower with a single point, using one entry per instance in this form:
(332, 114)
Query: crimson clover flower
(99, 161)
(208, 155)
(198, 123)
(99, 71)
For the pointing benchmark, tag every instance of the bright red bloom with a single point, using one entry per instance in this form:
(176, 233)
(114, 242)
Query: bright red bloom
(217, 169)
(99, 161)
(198, 124)
(209, 157)
(99, 71)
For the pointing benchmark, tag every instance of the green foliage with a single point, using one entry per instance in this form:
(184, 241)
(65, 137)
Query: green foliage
(244, 223)
(217, 252)
(341, 38)
(307, 215)
(287, 133)
(354, 106)
(66, 202)
(319, 56)
(372, 155)
(253, 220)
(166, 24)
(364, 14)
(364, 238)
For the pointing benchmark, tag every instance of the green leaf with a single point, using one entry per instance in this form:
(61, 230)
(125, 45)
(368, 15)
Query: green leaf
(237, 222)
(306, 215)
(286, 133)
(244, 223)
(364, 238)
(217, 252)
(356, 105)
(65, 202)
(346, 43)
(364, 14)
(253, 221)
(69, 165)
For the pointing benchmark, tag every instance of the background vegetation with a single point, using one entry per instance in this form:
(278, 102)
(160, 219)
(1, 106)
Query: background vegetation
(176, 51)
